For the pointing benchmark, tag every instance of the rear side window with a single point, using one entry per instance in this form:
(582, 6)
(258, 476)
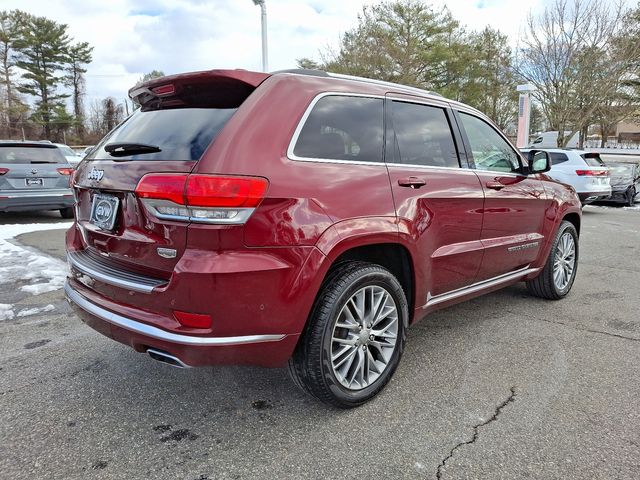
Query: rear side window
(343, 128)
(24, 155)
(423, 136)
(593, 159)
(557, 158)
(180, 133)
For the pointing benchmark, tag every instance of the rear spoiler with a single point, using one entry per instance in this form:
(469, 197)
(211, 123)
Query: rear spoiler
(212, 88)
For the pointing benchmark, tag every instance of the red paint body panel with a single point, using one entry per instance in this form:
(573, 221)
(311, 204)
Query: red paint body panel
(262, 277)
(513, 218)
(440, 223)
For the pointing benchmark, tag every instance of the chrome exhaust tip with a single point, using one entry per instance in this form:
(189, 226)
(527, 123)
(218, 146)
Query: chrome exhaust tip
(164, 357)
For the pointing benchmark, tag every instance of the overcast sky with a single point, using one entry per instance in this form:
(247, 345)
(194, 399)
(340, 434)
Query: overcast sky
(131, 37)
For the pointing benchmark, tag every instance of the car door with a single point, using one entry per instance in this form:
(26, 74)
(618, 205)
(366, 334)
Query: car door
(438, 203)
(515, 203)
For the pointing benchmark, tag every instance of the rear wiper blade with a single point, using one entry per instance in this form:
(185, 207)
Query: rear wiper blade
(123, 149)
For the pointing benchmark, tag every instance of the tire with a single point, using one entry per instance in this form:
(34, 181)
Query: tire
(546, 285)
(66, 212)
(631, 197)
(327, 377)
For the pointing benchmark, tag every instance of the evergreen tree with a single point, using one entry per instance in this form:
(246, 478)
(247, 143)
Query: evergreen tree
(10, 34)
(79, 56)
(43, 54)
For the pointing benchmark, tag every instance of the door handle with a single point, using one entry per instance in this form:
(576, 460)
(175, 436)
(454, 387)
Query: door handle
(412, 182)
(495, 185)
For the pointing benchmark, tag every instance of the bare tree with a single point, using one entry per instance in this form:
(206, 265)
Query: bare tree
(570, 54)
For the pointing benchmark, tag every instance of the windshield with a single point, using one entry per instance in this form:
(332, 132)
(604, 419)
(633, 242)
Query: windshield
(26, 154)
(178, 134)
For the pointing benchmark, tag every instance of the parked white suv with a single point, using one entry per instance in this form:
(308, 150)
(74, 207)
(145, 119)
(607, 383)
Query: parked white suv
(584, 171)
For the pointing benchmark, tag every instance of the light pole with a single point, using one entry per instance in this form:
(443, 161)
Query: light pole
(263, 9)
(524, 114)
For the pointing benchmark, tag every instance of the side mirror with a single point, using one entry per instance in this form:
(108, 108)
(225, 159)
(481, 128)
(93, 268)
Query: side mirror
(539, 161)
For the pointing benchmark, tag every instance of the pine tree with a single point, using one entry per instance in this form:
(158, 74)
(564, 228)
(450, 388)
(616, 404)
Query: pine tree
(43, 54)
(10, 34)
(79, 56)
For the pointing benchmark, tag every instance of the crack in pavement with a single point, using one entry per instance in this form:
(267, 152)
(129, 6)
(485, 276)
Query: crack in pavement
(476, 431)
(588, 330)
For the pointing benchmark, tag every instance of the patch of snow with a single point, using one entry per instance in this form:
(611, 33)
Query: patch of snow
(6, 311)
(34, 311)
(43, 272)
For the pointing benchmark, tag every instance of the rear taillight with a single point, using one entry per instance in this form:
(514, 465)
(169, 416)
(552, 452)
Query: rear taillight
(201, 198)
(65, 171)
(592, 173)
(3, 171)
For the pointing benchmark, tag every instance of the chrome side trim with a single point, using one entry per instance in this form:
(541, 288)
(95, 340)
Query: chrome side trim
(82, 262)
(476, 287)
(43, 193)
(157, 333)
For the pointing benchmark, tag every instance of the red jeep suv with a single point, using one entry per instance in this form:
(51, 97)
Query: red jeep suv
(306, 218)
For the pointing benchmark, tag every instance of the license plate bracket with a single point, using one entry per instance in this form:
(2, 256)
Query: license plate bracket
(104, 211)
(32, 182)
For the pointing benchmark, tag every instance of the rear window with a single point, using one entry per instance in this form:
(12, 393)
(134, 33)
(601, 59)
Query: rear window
(180, 133)
(557, 158)
(593, 160)
(343, 128)
(24, 154)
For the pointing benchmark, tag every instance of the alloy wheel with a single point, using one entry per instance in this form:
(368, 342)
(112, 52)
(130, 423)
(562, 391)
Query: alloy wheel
(564, 261)
(364, 337)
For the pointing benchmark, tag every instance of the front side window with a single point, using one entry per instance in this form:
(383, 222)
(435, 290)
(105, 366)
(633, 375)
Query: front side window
(423, 136)
(490, 151)
(343, 128)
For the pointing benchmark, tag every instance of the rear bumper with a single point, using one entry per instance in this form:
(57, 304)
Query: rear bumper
(588, 197)
(619, 194)
(14, 201)
(116, 322)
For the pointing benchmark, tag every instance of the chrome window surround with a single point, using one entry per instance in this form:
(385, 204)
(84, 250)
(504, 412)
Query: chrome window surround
(305, 116)
(157, 333)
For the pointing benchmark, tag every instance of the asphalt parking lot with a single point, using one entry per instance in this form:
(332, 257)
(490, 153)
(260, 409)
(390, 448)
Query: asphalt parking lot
(504, 386)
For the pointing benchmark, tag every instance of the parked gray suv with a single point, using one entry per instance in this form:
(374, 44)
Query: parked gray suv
(34, 176)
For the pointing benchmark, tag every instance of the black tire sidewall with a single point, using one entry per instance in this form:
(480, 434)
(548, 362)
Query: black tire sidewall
(564, 228)
(631, 195)
(368, 276)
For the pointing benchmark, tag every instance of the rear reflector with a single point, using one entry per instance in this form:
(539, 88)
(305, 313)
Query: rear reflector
(201, 198)
(192, 320)
(3, 171)
(592, 173)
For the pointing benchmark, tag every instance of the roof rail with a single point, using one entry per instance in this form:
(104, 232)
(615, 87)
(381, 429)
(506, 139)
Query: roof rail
(303, 71)
(322, 73)
(383, 83)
